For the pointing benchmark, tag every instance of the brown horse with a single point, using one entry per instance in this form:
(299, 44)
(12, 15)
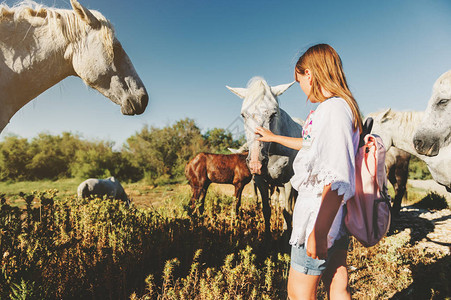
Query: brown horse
(397, 165)
(206, 168)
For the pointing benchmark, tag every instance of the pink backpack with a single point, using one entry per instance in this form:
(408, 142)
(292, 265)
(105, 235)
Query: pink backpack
(368, 212)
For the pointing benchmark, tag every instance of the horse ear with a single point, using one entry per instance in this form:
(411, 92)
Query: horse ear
(240, 92)
(280, 89)
(85, 14)
(242, 149)
(385, 115)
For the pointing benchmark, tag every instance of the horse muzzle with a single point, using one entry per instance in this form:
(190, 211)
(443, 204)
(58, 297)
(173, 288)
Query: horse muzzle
(135, 107)
(257, 167)
(426, 145)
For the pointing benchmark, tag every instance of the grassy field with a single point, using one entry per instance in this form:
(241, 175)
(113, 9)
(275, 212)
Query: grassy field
(56, 246)
(149, 196)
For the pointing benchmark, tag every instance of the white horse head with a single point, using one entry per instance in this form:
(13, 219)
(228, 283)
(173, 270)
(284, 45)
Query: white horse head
(394, 126)
(260, 108)
(41, 46)
(99, 59)
(397, 129)
(434, 132)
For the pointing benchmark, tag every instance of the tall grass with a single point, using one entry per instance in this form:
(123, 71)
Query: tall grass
(65, 248)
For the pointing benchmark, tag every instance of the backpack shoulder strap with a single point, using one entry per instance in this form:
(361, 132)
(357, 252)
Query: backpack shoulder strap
(366, 129)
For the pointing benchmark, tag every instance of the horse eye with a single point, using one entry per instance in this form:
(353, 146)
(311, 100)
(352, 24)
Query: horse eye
(443, 102)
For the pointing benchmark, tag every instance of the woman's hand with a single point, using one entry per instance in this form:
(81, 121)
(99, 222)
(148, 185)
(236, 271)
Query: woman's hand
(316, 246)
(266, 134)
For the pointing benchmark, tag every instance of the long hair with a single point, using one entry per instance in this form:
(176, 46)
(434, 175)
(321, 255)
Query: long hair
(326, 68)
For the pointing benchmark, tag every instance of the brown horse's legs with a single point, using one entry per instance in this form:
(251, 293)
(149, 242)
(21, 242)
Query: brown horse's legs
(196, 194)
(202, 199)
(263, 188)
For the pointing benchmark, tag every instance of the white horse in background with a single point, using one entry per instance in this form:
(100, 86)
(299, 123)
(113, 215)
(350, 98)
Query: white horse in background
(397, 129)
(40, 46)
(109, 187)
(433, 134)
(271, 163)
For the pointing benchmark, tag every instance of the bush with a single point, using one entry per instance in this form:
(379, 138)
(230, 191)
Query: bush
(72, 248)
(432, 201)
(14, 159)
(53, 155)
(151, 154)
(157, 152)
(238, 278)
(219, 140)
(418, 169)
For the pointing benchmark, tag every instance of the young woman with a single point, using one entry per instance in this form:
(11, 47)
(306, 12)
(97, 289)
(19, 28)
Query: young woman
(324, 176)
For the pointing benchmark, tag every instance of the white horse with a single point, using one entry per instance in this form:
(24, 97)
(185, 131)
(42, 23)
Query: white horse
(397, 129)
(109, 187)
(40, 46)
(433, 134)
(271, 163)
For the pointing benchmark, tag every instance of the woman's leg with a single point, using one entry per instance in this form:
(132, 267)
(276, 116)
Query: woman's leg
(302, 286)
(335, 277)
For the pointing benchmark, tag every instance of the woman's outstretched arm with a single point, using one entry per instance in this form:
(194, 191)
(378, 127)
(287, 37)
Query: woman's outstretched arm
(268, 136)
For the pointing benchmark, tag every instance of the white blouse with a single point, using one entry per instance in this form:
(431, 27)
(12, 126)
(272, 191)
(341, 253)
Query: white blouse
(327, 157)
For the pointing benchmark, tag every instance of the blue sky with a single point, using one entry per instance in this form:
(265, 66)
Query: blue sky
(187, 51)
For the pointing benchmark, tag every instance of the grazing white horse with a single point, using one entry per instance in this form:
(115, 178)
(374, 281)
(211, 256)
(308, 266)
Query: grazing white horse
(40, 46)
(397, 129)
(109, 187)
(433, 134)
(271, 163)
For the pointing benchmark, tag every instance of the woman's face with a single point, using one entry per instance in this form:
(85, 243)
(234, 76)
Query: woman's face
(305, 81)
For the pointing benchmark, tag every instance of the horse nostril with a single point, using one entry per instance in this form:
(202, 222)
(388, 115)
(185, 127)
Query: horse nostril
(144, 102)
(418, 143)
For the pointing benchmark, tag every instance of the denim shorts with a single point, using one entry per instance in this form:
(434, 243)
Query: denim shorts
(303, 263)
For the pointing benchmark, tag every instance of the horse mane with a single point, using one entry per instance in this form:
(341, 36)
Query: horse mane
(59, 20)
(257, 90)
(408, 120)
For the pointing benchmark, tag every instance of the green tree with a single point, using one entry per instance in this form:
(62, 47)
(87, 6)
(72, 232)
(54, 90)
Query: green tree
(164, 151)
(52, 155)
(93, 160)
(14, 158)
(218, 140)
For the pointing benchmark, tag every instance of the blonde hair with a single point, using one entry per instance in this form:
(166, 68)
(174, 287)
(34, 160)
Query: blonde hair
(326, 69)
